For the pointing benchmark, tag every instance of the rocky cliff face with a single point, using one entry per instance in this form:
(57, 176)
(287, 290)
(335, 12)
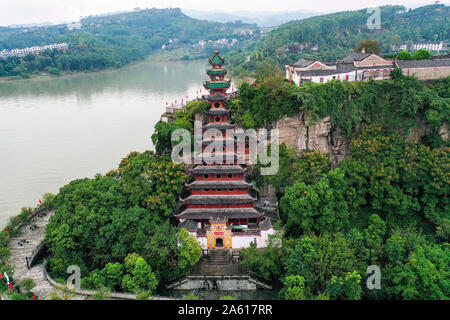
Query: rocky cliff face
(298, 133)
(304, 135)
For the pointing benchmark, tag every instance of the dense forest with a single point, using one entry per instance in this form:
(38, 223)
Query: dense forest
(332, 36)
(385, 205)
(111, 41)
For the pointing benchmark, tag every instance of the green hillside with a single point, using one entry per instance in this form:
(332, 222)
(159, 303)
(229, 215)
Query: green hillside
(111, 41)
(335, 35)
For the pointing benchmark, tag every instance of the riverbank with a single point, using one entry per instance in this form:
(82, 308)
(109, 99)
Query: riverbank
(46, 77)
(179, 54)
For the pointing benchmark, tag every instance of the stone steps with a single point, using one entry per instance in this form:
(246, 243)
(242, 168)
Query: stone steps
(219, 257)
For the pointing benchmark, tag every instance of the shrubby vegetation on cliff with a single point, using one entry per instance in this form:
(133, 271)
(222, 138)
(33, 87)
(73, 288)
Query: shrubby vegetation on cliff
(393, 104)
(386, 205)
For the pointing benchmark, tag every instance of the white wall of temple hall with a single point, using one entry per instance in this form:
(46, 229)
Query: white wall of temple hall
(241, 241)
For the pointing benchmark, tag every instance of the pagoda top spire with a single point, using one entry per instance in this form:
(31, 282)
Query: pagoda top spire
(217, 59)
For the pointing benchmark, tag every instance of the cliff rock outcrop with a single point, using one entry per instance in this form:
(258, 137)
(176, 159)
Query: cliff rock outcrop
(303, 135)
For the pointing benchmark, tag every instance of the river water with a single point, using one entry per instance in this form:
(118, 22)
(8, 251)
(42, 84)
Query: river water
(55, 131)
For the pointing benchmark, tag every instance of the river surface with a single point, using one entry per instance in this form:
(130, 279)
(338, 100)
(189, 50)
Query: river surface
(55, 131)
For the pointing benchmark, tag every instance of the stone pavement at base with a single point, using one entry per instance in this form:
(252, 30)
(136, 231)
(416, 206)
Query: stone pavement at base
(22, 246)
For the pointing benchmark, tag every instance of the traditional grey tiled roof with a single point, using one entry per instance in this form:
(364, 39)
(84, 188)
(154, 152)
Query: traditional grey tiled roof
(219, 184)
(355, 56)
(214, 213)
(425, 63)
(217, 112)
(304, 62)
(217, 169)
(219, 126)
(376, 67)
(219, 158)
(223, 142)
(189, 225)
(216, 97)
(219, 199)
(266, 224)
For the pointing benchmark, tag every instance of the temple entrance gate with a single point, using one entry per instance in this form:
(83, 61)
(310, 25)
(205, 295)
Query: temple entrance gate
(219, 235)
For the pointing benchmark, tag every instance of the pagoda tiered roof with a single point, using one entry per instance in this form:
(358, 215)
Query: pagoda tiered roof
(215, 213)
(217, 112)
(217, 84)
(223, 157)
(217, 59)
(219, 199)
(216, 97)
(215, 72)
(220, 126)
(223, 142)
(219, 184)
(218, 169)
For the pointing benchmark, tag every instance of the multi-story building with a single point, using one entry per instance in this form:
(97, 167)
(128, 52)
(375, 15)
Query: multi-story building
(431, 46)
(219, 209)
(33, 50)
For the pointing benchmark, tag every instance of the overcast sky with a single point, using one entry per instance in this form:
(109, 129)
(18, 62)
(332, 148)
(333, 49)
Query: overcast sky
(57, 11)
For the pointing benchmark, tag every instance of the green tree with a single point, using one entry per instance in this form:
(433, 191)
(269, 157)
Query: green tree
(369, 46)
(345, 288)
(422, 54)
(294, 288)
(405, 55)
(190, 250)
(5, 253)
(141, 278)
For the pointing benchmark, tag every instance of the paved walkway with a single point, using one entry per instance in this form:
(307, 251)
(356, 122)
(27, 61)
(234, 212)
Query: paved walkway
(22, 246)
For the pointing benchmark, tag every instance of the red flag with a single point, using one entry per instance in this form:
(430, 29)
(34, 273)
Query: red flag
(40, 202)
(259, 78)
(7, 229)
(34, 296)
(11, 286)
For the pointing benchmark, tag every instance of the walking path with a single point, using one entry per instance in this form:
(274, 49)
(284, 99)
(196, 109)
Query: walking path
(22, 246)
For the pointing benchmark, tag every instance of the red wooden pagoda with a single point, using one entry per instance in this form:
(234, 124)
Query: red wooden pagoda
(219, 210)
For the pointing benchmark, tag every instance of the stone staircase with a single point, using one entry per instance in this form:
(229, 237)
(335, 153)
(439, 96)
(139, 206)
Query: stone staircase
(219, 257)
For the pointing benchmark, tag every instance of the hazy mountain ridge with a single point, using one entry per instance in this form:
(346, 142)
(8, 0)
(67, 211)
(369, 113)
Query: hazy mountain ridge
(262, 19)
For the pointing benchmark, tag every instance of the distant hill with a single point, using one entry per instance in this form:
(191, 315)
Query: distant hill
(261, 19)
(331, 36)
(113, 40)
